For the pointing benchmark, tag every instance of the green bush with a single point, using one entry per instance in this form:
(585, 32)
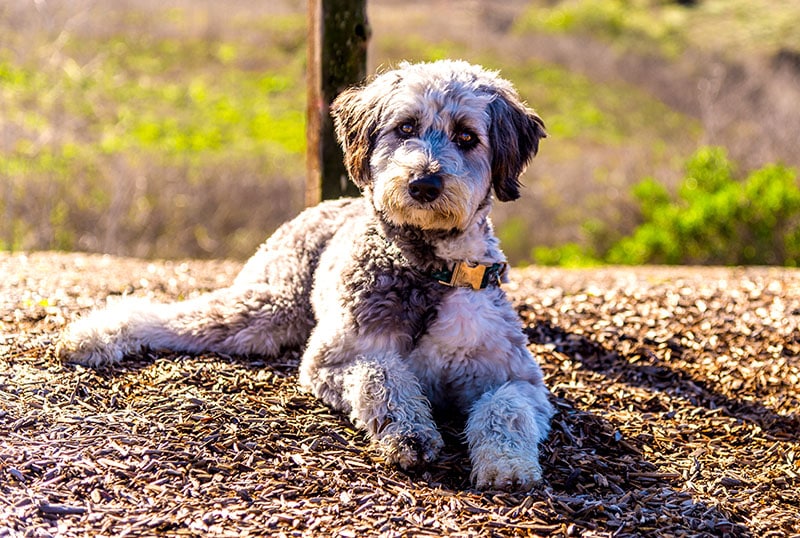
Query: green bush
(566, 255)
(715, 219)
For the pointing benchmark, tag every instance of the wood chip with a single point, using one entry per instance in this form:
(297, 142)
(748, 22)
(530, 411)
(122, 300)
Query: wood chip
(677, 392)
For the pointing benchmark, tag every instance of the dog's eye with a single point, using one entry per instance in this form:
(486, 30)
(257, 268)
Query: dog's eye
(466, 139)
(407, 129)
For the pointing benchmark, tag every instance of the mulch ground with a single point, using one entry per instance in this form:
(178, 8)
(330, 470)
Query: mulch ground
(677, 390)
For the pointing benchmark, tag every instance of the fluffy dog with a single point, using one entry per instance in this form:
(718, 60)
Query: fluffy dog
(395, 295)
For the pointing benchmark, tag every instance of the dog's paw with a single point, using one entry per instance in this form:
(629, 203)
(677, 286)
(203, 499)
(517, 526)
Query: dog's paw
(411, 449)
(504, 470)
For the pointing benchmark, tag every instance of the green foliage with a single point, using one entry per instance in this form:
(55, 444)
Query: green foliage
(718, 220)
(625, 22)
(577, 108)
(567, 255)
(188, 138)
(118, 138)
(715, 219)
(513, 234)
(669, 27)
(580, 108)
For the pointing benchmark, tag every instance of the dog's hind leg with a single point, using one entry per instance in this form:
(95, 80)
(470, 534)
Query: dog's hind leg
(240, 320)
(267, 308)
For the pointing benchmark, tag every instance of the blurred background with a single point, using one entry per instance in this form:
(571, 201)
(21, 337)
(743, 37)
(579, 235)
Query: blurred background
(175, 128)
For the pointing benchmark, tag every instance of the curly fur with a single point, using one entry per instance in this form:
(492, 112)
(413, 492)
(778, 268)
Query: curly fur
(350, 280)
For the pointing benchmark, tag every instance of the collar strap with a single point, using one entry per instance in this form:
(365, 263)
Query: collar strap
(475, 276)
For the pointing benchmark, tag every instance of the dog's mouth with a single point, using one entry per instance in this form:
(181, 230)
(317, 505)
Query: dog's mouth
(428, 203)
(428, 218)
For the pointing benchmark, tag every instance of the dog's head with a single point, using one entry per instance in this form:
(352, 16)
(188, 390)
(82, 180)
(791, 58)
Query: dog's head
(429, 142)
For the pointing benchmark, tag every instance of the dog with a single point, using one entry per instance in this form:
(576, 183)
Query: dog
(396, 296)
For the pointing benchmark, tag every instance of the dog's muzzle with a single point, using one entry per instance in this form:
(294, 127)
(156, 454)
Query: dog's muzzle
(426, 188)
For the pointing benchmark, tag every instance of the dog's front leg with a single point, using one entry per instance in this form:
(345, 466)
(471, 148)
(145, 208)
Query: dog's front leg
(383, 397)
(503, 431)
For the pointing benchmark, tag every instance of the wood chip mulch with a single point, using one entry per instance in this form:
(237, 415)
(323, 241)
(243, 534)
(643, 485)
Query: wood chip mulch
(678, 391)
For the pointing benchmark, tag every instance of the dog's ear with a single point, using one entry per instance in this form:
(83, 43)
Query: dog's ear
(355, 118)
(515, 132)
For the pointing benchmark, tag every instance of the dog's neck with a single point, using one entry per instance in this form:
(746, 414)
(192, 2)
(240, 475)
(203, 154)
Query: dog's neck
(433, 249)
(476, 244)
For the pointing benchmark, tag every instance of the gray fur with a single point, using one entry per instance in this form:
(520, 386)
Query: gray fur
(351, 280)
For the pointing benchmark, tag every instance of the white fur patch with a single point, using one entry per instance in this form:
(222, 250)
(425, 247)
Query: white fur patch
(472, 346)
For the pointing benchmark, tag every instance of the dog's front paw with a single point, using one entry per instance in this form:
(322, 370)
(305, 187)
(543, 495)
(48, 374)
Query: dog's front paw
(410, 449)
(505, 469)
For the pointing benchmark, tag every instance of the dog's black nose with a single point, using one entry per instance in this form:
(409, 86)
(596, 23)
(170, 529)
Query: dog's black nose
(425, 188)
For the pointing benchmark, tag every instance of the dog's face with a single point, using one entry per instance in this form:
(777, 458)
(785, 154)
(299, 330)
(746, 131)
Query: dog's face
(429, 142)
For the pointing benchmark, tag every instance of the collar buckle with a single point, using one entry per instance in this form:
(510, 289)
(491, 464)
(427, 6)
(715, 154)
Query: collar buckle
(475, 276)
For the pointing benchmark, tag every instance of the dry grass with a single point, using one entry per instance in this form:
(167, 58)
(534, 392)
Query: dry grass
(677, 393)
(77, 173)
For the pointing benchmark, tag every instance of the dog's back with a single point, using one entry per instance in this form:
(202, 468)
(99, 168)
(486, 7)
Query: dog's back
(291, 254)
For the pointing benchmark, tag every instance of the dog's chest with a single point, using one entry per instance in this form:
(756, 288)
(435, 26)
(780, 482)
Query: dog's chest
(470, 322)
(473, 342)
(394, 303)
